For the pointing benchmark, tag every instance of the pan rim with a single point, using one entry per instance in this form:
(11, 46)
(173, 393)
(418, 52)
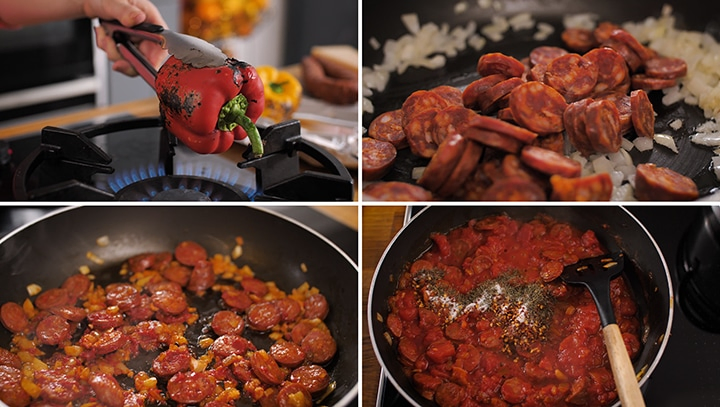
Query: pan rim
(409, 219)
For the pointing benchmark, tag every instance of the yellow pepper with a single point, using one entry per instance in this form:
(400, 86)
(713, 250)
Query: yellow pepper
(282, 93)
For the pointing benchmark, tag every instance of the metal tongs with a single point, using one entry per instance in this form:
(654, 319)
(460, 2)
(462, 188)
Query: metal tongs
(191, 50)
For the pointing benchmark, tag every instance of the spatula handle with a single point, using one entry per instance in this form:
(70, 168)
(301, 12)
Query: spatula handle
(623, 372)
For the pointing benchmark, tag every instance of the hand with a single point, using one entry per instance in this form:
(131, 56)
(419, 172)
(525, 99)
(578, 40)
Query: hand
(129, 13)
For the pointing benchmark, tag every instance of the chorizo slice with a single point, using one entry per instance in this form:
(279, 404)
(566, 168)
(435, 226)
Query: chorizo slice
(11, 390)
(266, 368)
(666, 67)
(420, 101)
(573, 75)
(169, 301)
(612, 69)
(236, 299)
(13, 317)
(190, 387)
(451, 94)
(465, 166)
(574, 119)
(596, 187)
(642, 113)
(388, 127)
(312, 377)
(287, 354)
(603, 31)
(628, 39)
(505, 114)
(499, 63)
(226, 322)
(316, 306)
(77, 285)
(122, 295)
(449, 394)
(503, 127)
(632, 59)
(8, 358)
(190, 253)
(496, 97)
(230, 344)
(378, 157)
(452, 119)
(293, 395)
(396, 191)
(653, 183)
(538, 107)
(602, 126)
(177, 273)
(107, 389)
(104, 319)
(171, 361)
(578, 39)
(553, 142)
(202, 277)
(58, 387)
(493, 139)
(543, 54)
(474, 93)
(290, 309)
(622, 103)
(52, 330)
(443, 162)
(537, 73)
(419, 133)
(319, 346)
(263, 316)
(54, 297)
(514, 189)
(550, 162)
(648, 83)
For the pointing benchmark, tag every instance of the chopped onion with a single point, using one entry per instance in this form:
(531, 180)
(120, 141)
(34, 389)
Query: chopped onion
(643, 143)
(676, 124)
(411, 21)
(667, 141)
(460, 7)
(716, 166)
(627, 145)
(374, 43)
(417, 172)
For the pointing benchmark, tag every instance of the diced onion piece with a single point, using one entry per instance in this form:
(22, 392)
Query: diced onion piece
(33, 289)
(460, 7)
(94, 258)
(667, 141)
(237, 252)
(623, 192)
(417, 172)
(600, 163)
(676, 124)
(103, 241)
(643, 143)
(627, 145)
(374, 43)
(581, 20)
(411, 22)
(716, 166)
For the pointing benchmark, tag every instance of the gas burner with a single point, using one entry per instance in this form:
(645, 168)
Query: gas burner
(126, 160)
(179, 188)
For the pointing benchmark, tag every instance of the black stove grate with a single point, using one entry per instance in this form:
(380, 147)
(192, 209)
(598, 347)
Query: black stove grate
(73, 165)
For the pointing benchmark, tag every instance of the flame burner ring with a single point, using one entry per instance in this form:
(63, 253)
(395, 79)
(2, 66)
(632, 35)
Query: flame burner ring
(179, 188)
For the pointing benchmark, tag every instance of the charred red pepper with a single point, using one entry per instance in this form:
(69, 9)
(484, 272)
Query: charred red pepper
(208, 108)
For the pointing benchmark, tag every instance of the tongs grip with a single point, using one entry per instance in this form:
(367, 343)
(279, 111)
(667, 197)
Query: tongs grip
(122, 36)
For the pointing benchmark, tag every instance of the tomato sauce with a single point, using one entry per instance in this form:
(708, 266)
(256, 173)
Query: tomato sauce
(482, 318)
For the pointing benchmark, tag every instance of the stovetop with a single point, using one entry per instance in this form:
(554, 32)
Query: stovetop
(135, 159)
(689, 371)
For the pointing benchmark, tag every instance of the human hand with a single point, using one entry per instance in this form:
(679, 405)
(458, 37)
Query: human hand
(129, 13)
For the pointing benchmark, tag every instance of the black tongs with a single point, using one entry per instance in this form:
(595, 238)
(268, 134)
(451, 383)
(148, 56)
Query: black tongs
(191, 50)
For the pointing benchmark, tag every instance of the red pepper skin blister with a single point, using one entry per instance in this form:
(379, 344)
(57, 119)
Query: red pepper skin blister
(192, 100)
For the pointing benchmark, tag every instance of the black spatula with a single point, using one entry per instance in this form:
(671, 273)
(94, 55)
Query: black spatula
(595, 273)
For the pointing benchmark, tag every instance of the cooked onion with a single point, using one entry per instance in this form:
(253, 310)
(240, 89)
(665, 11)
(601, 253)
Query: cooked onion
(667, 141)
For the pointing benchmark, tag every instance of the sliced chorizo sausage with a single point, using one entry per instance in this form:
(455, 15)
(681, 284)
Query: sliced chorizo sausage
(451, 94)
(171, 302)
(287, 354)
(266, 368)
(642, 114)
(622, 103)
(122, 295)
(190, 387)
(543, 54)
(202, 277)
(449, 394)
(225, 322)
(498, 63)
(443, 162)
(109, 341)
(497, 96)
(107, 389)
(578, 39)
(312, 377)
(421, 101)
(8, 358)
(53, 330)
(190, 253)
(236, 299)
(611, 66)
(104, 319)
(653, 183)
(396, 191)
(628, 39)
(11, 390)
(493, 139)
(171, 361)
(319, 346)
(451, 120)
(648, 83)
(230, 344)
(316, 306)
(53, 297)
(177, 273)
(378, 158)
(474, 93)
(572, 75)
(666, 67)
(550, 162)
(58, 387)
(263, 316)
(514, 189)
(574, 119)
(465, 166)
(503, 127)
(602, 126)
(596, 187)
(388, 127)
(419, 133)
(77, 285)
(538, 107)
(293, 395)
(13, 317)
(290, 309)
(632, 59)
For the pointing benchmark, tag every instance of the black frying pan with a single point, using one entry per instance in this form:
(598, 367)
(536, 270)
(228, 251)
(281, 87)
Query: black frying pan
(382, 21)
(46, 252)
(645, 271)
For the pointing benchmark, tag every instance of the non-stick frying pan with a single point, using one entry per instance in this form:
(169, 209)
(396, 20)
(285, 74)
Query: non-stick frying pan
(47, 251)
(381, 20)
(646, 272)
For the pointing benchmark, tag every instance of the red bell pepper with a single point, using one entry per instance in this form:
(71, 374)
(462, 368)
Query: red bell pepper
(208, 108)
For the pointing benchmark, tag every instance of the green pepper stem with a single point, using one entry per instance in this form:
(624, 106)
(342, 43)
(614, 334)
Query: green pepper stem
(232, 115)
